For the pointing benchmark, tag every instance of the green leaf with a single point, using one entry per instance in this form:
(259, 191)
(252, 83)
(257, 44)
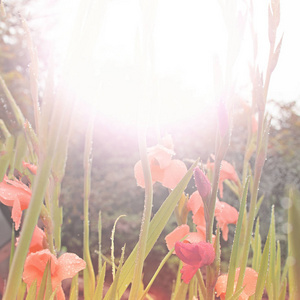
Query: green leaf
(21, 291)
(115, 293)
(113, 246)
(45, 289)
(100, 282)
(157, 225)
(32, 292)
(278, 269)
(235, 247)
(74, 288)
(294, 244)
(182, 291)
(237, 294)
(7, 156)
(258, 204)
(262, 274)
(282, 294)
(256, 248)
(271, 278)
(20, 151)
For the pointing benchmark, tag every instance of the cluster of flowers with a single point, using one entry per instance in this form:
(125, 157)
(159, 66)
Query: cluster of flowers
(191, 247)
(16, 194)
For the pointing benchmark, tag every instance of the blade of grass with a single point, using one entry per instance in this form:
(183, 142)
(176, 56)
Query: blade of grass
(235, 247)
(113, 246)
(271, 278)
(294, 244)
(115, 293)
(100, 282)
(256, 247)
(31, 292)
(264, 263)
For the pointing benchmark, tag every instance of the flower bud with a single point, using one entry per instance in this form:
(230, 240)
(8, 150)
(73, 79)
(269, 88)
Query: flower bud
(202, 183)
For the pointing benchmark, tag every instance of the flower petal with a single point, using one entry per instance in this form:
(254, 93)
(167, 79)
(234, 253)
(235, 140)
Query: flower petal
(195, 202)
(16, 213)
(69, 264)
(35, 265)
(228, 215)
(201, 253)
(188, 271)
(161, 154)
(173, 174)
(176, 235)
(249, 283)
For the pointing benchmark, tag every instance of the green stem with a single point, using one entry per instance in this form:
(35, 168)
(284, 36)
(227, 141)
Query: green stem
(146, 216)
(89, 276)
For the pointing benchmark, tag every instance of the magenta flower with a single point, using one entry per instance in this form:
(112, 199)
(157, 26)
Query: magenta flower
(194, 256)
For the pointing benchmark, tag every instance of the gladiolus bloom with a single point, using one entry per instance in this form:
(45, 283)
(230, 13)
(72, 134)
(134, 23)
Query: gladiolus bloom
(66, 266)
(30, 167)
(227, 215)
(195, 256)
(249, 284)
(227, 172)
(16, 194)
(163, 169)
(38, 240)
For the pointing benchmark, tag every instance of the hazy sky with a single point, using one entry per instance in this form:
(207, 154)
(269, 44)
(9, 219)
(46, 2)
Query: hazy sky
(186, 36)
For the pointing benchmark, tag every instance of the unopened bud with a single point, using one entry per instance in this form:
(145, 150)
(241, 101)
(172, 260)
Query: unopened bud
(202, 183)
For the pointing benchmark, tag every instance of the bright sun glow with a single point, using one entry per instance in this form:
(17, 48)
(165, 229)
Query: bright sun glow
(186, 38)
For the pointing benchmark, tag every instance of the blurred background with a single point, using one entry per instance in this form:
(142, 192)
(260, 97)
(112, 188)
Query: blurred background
(186, 40)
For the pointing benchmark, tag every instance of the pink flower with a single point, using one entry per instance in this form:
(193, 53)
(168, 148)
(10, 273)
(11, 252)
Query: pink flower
(16, 194)
(38, 240)
(163, 169)
(66, 266)
(195, 256)
(249, 284)
(224, 216)
(227, 172)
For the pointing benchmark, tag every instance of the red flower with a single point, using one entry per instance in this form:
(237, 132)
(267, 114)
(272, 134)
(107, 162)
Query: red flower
(249, 284)
(163, 169)
(16, 194)
(195, 256)
(66, 266)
